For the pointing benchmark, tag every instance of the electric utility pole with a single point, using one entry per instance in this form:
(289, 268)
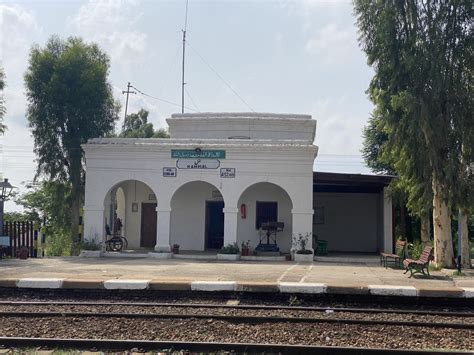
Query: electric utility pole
(184, 50)
(126, 102)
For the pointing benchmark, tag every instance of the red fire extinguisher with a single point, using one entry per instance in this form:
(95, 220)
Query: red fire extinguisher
(243, 211)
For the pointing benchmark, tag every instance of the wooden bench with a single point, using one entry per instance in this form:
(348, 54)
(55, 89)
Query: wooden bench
(400, 254)
(419, 266)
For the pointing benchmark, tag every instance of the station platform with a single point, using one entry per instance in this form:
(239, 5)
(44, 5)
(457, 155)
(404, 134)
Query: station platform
(239, 276)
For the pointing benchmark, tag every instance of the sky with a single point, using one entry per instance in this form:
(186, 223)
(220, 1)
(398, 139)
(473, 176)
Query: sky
(278, 56)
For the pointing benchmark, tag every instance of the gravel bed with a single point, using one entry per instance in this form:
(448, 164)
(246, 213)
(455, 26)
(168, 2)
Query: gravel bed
(222, 331)
(237, 312)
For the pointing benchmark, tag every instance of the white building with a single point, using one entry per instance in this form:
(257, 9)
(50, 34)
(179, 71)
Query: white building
(221, 175)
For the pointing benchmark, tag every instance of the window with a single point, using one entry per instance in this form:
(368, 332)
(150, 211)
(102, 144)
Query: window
(266, 212)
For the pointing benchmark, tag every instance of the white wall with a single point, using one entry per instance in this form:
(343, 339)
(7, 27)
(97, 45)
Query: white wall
(254, 126)
(265, 192)
(188, 214)
(350, 223)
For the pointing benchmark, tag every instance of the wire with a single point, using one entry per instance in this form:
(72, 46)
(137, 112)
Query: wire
(163, 100)
(190, 97)
(220, 77)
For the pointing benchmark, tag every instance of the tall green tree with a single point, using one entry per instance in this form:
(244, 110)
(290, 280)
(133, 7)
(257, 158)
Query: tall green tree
(69, 101)
(421, 52)
(3, 109)
(411, 188)
(136, 125)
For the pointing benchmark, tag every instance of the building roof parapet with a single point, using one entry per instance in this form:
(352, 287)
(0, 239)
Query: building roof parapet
(194, 142)
(243, 115)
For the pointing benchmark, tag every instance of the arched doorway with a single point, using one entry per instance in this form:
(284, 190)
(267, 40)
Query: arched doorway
(197, 217)
(130, 211)
(264, 202)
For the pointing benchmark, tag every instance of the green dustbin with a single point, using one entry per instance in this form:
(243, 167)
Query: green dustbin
(322, 247)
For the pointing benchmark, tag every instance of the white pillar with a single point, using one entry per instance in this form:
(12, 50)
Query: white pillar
(163, 229)
(94, 227)
(302, 224)
(387, 222)
(230, 225)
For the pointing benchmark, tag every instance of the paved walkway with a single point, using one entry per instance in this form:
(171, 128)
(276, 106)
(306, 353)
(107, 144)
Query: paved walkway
(330, 275)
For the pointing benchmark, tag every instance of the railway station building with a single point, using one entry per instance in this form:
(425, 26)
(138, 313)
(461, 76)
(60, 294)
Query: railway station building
(220, 178)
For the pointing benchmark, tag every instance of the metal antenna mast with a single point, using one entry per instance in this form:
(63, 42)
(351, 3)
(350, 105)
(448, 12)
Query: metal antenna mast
(184, 51)
(126, 102)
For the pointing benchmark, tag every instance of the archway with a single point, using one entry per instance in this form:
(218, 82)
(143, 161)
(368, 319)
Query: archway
(264, 202)
(130, 211)
(197, 218)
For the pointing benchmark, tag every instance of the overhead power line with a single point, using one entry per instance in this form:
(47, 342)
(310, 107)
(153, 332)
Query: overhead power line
(191, 98)
(162, 100)
(219, 76)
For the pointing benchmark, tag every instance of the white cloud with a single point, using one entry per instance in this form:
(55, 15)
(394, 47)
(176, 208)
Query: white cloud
(332, 43)
(18, 30)
(111, 23)
(338, 135)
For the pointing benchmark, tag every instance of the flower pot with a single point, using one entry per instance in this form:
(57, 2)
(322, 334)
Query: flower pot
(175, 250)
(91, 253)
(245, 252)
(303, 258)
(22, 253)
(232, 257)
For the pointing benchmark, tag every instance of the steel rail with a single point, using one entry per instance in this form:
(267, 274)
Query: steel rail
(150, 345)
(237, 319)
(249, 307)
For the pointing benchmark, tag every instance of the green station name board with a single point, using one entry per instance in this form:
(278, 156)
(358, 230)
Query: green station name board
(201, 154)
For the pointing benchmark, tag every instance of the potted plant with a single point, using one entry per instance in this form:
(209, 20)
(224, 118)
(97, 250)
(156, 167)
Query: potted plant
(229, 252)
(301, 253)
(175, 249)
(91, 248)
(22, 253)
(245, 248)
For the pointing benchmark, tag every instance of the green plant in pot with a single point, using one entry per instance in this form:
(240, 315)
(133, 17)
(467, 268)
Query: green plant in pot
(175, 249)
(90, 244)
(245, 248)
(230, 249)
(301, 241)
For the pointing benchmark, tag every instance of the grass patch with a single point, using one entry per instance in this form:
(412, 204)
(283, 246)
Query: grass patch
(434, 267)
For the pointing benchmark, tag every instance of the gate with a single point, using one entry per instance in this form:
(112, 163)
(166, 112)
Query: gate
(22, 235)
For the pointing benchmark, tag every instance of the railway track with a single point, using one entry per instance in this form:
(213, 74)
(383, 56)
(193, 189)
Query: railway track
(232, 327)
(143, 345)
(238, 319)
(238, 307)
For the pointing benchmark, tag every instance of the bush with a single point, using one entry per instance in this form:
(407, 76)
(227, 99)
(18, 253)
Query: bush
(90, 244)
(415, 249)
(58, 244)
(230, 249)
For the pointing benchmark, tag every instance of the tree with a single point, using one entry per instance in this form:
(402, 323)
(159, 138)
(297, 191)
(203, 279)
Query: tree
(3, 109)
(136, 125)
(421, 52)
(48, 203)
(411, 188)
(69, 101)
